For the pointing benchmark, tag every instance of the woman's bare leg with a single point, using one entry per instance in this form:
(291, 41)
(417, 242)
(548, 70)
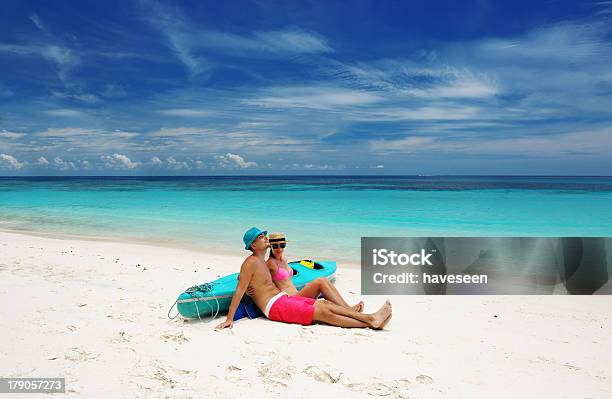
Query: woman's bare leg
(323, 286)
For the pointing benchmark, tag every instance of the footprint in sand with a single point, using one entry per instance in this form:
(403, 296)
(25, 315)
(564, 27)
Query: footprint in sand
(180, 338)
(275, 373)
(424, 379)
(571, 367)
(373, 388)
(321, 375)
(79, 355)
(121, 317)
(161, 374)
(119, 337)
(165, 374)
(306, 333)
(233, 374)
(398, 388)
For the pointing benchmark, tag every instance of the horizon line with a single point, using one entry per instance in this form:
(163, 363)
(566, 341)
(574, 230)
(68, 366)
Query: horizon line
(298, 175)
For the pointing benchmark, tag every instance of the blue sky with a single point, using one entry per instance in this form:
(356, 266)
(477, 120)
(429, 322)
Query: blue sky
(387, 87)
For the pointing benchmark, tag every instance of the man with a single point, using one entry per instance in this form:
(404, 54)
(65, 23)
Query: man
(279, 306)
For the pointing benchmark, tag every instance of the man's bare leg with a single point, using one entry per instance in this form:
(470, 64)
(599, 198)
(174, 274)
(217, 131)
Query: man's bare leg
(323, 286)
(342, 321)
(375, 320)
(385, 322)
(336, 315)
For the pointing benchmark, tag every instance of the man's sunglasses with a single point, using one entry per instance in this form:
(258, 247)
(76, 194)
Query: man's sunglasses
(277, 246)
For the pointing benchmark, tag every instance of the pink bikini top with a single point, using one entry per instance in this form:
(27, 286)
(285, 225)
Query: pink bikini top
(281, 274)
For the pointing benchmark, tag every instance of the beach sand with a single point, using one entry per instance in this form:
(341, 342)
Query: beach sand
(94, 312)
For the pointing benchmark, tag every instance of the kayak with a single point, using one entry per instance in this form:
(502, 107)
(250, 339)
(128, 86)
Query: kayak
(210, 299)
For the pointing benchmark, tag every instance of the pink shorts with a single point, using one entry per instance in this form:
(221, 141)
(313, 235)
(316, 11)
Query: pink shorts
(293, 309)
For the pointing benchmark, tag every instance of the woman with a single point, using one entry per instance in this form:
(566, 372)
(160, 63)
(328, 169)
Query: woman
(282, 273)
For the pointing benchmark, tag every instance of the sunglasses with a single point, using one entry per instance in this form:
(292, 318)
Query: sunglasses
(277, 246)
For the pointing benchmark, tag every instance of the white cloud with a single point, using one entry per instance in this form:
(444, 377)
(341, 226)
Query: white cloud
(240, 161)
(155, 161)
(439, 113)
(561, 42)
(122, 135)
(66, 132)
(460, 88)
(595, 143)
(84, 97)
(65, 112)
(311, 166)
(186, 38)
(177, 165)
(220, 140)
(315, 97)
(36, 20)
(179, 131)
(184, 112)
(403, 77)
(85, 164)
(42, 161)
(406, 144)
(60, 164)
(179, 33)
(20, 50)
(256, 125)
(11, 135)
(11, 162)
(264, 43)
(118, 161)
(127, 162)
(230, 160)
(64, 59)
(578, 143)
(288, 41)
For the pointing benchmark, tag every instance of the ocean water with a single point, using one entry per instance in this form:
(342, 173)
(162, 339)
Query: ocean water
(323, 217)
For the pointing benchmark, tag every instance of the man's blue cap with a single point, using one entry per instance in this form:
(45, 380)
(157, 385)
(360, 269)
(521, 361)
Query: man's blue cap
(250, 236)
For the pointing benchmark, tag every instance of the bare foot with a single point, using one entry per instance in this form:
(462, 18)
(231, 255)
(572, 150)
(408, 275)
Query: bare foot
(358, 307)
(379, 317)
(384, 323)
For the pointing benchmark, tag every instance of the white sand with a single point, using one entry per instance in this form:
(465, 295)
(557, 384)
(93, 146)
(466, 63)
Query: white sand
(86, 311)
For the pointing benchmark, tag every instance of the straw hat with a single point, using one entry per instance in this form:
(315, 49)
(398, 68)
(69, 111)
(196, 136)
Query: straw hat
(276, 238)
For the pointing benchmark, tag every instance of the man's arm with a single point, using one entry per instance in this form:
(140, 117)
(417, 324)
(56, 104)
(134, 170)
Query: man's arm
(244, 278)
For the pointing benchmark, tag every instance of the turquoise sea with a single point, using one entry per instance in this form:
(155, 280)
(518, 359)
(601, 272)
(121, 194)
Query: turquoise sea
(323, 217)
